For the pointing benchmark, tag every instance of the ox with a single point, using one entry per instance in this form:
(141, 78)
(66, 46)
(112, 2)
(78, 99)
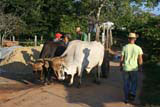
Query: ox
(40, 67)
(80, 56)
(51, 49)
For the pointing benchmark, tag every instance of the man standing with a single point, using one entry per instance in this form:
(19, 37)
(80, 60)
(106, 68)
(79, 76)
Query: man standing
(81, 35)
(131, 62)
(66, 38)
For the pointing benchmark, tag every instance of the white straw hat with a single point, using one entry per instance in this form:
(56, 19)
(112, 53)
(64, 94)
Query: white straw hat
(132, 35)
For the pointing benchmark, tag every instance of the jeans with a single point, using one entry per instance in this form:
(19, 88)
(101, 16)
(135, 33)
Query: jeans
(130, 83)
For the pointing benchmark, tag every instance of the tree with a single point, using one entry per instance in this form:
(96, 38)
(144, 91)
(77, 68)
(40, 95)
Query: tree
(45, 16)
(9, 24)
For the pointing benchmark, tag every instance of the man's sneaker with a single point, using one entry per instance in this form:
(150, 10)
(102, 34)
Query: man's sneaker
(131, 97)
(125, 101)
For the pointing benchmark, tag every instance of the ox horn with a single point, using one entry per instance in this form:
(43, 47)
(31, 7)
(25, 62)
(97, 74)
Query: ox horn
(30, 63)
(47, 59)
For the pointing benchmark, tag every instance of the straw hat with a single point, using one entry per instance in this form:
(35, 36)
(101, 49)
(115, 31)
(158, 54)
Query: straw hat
(78, 29)
(132, 35)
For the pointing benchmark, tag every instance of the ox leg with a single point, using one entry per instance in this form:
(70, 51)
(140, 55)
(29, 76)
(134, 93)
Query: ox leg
(41, 75)
(49, 75)
(97, 75)
(79, 77)
(71, 80)
(45, 77)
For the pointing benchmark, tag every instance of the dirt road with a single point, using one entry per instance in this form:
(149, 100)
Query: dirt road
(108, 94)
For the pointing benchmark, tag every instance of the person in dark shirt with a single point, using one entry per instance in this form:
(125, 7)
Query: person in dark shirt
(66, 38)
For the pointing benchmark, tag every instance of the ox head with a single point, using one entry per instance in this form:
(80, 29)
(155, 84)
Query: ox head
(59, 66)
(37, 67)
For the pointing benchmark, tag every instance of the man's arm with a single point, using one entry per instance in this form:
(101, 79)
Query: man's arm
(112, 52)
(121, 62)
(140, 61)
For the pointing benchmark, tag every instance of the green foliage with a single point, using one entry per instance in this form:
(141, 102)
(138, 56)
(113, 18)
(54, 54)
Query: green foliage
(150, 36)
(42, 17)
(68, 24)
(150, 93)
(151, 29)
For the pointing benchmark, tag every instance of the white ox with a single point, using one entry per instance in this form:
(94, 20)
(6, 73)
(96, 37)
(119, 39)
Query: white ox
(80, 56)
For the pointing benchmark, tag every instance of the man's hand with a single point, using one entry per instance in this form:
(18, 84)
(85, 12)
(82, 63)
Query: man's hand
(121, 68)
(121, 63)
(140, 68)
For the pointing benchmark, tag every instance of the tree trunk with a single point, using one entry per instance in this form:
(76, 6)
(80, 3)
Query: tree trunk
(107, 40)
(110, 38)
(105, 65)
(97, 32)
(3, 38)
(97, 19)
(106, 60)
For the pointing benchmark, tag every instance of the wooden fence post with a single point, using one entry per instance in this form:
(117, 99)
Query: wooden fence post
(41, 38)
(103, 35)
(35, 40)
(13, 38)
(89, 37)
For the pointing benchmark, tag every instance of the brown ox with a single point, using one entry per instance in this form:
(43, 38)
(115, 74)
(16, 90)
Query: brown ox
(56, 65)
(40, 67)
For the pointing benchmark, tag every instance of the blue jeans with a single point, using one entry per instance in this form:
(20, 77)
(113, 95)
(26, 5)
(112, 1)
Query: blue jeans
(130, 83)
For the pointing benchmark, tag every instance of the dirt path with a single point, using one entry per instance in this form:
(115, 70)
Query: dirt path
(108, 94)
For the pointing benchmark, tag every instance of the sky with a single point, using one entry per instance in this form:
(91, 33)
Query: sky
(156, 10)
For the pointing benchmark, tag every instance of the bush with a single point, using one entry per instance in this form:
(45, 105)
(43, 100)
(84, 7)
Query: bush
(151, 85)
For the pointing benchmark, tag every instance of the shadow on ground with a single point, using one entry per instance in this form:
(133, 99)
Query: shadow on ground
(95, 95)
(20, 71)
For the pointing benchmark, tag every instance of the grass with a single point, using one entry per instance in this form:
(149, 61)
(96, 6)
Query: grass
(151, 85)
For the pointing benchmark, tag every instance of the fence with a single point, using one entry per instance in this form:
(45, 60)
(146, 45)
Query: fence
(31, 42)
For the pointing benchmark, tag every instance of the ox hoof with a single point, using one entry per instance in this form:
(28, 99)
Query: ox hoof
(48, 83)
(69, 85)
(104, 76)
(45, 83)
(97, 82)
(79, 86)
